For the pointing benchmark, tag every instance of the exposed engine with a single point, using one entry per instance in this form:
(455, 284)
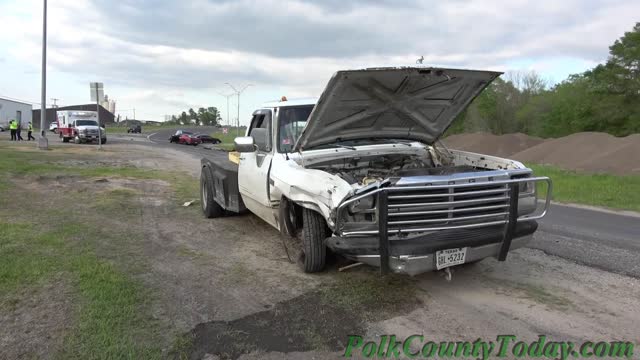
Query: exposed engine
(369, 169)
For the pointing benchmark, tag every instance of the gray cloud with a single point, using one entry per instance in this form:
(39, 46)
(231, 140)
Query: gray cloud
(343, 29)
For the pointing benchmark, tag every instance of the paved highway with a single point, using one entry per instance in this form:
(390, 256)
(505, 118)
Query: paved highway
(606, 240)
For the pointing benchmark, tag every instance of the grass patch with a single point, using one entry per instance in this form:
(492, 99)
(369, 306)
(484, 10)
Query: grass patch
(111, 309)
(616, 192)
(117, 202)
(112, 320)
(35, 163)
(227, 139)
(372, 296)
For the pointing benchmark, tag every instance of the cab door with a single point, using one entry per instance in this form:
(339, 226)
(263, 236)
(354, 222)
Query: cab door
(253, 171)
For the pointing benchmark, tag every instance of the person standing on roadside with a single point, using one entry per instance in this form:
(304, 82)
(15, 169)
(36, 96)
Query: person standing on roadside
(13, 127)
(30, 131)
(19, 130)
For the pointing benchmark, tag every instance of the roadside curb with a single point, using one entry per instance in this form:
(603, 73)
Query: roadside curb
(598, 209)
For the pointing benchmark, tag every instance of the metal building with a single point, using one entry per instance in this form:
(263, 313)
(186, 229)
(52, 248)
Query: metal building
(14, 110)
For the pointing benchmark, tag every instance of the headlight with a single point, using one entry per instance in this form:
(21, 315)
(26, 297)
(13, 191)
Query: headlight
(365, 203)
(527, 201)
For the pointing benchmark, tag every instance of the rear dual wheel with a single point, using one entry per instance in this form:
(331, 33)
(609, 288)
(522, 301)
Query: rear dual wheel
(210, 208)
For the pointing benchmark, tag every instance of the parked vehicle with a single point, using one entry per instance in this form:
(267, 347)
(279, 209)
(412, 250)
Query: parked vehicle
(135, 129)
(175, 137)
(361, 172)
(189, 139)
(53, 126)
(206, 139)
(81, 126)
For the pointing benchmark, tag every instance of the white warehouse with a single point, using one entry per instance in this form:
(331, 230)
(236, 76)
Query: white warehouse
(14, 110)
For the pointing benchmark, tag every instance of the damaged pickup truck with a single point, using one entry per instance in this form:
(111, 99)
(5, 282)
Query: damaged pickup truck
(360, 171)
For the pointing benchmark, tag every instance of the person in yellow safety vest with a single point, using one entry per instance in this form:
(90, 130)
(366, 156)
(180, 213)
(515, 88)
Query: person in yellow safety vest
(13, 127)
(18, 131)
(30, 131)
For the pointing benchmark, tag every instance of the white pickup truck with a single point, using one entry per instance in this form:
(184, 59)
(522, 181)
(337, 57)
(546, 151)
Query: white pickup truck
(360, 171)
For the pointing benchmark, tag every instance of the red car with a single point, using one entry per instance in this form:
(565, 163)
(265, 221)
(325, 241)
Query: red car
(189, 139)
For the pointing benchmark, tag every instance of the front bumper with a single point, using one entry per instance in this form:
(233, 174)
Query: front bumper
(416, 255)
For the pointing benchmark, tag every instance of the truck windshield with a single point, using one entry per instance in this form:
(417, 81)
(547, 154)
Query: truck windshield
(291, 122)
(86, 123)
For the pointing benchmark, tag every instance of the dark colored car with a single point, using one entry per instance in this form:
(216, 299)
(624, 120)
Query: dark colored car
(136, 129)
(176, 137)
(206, 139)
(189, 139)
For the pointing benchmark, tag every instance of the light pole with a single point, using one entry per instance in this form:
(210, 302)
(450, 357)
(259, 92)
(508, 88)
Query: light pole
(43, 142)
(227, 96)
(238, 93)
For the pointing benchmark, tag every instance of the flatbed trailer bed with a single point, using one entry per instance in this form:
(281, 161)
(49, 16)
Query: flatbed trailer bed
(223, 172)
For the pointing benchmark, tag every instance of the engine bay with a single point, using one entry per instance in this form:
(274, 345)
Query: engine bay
(369, 169)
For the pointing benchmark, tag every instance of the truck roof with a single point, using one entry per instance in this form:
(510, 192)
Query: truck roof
(292, 102)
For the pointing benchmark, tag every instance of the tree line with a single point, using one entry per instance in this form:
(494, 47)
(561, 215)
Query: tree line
(209, 116)
(605, 99)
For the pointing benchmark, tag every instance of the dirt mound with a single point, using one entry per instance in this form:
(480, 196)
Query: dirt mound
(588, 152)
(487, 143)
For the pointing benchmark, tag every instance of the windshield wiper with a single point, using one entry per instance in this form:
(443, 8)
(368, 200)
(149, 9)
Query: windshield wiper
(401, 142)
(344, 146)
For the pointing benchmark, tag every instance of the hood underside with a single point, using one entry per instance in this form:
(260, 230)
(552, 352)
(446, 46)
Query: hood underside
(412, 103)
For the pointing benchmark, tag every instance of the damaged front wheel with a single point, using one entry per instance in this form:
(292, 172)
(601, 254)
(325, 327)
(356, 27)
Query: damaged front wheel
(314, 232)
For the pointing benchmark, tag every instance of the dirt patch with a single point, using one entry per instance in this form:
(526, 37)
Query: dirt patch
(530, 294)
(320, 320)
(301, 324)
(35, 321)
(496, 145)
(588, 152)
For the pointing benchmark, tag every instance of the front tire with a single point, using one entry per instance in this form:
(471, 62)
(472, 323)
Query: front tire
(210, 208)
(314, 232)
(104, 141)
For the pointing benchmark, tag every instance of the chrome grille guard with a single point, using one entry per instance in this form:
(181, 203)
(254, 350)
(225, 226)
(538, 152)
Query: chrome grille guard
(497, 197)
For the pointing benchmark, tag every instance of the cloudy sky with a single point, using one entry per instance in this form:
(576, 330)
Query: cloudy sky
(161, 57)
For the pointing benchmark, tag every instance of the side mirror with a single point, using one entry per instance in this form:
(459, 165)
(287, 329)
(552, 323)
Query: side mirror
(260, 138)
(244, 144)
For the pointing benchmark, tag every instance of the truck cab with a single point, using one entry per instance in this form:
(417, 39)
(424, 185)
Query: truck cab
(360, 171)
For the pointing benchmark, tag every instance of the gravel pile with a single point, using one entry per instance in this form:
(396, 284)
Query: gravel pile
(589, 152)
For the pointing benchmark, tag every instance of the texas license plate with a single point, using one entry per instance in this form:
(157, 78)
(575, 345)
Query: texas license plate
(450, 257)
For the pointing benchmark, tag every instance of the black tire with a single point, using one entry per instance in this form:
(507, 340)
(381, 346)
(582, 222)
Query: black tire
(104, 141)
(314, 232)
(210, 208)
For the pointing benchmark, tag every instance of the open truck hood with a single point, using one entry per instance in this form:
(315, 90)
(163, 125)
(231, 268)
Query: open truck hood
(412, 103)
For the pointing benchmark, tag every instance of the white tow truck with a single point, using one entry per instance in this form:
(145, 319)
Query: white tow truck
(360, 171)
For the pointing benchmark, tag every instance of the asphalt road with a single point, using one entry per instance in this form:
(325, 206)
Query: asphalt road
(605, 240)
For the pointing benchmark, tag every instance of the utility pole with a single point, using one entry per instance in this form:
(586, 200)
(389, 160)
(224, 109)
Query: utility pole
(43, 142)
(134, 113)
(238, 93)
(54, 102)
(99, 94)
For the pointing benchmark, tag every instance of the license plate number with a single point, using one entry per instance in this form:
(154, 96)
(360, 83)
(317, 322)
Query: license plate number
(450, 257)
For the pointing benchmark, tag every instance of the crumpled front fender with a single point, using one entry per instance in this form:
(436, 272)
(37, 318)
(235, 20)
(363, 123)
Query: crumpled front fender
(313, 189)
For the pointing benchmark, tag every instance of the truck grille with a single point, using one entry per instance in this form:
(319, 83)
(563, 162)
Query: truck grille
(462, 203)
(425, 209)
